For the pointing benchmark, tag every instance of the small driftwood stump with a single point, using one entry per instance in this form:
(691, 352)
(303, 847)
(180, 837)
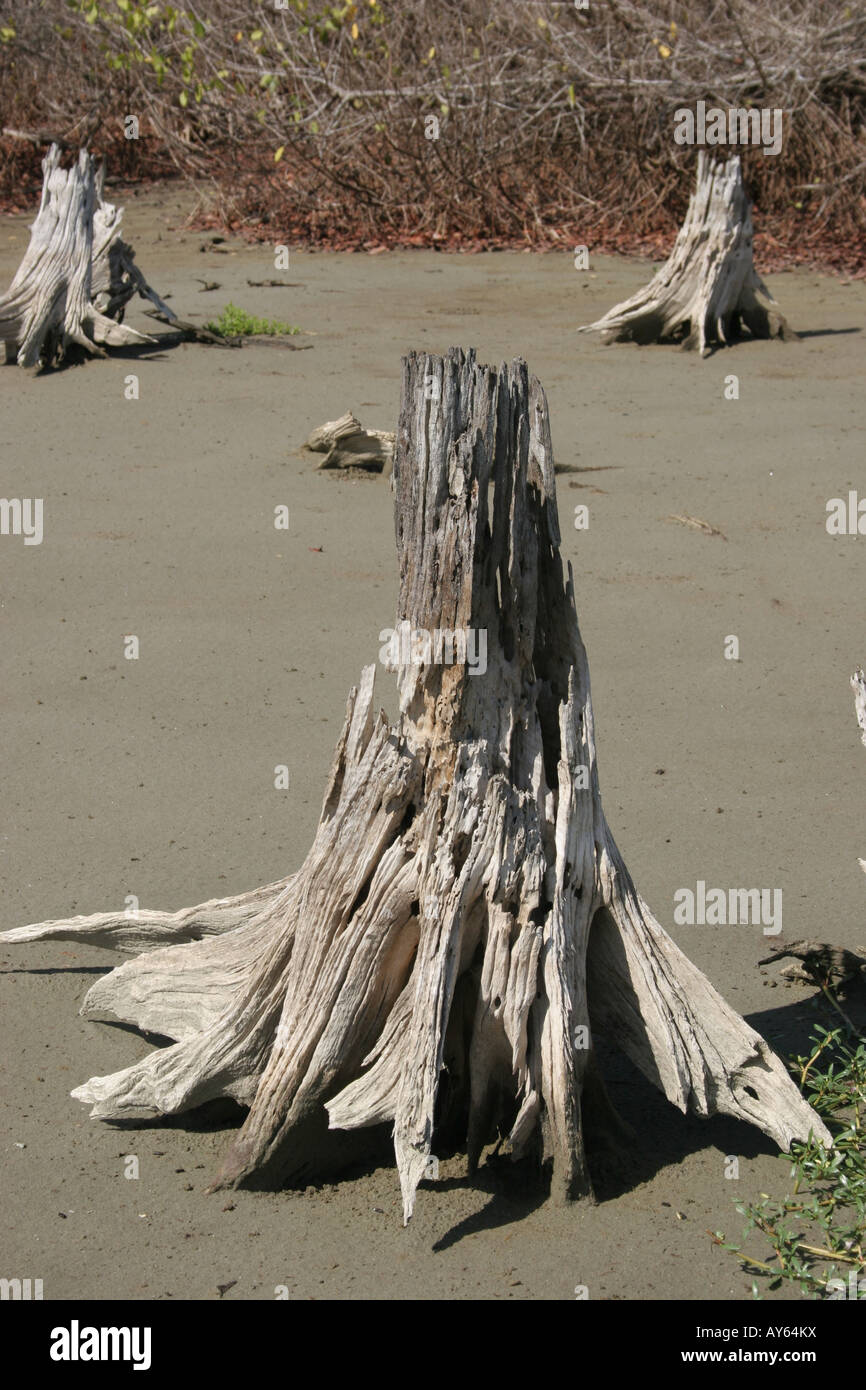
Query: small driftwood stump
(347, 444)
(463, 923)
(708, 287)
(77, 274)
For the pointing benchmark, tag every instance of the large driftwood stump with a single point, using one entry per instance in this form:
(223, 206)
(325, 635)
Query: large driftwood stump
(77, 274)
(463, 923)
(708, 287)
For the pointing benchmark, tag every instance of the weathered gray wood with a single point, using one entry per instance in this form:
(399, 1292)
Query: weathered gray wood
(858, 685)
(347, 444)
(77, 274)
(132, 931)
(463, 924)
(708, 287)
(115, 278)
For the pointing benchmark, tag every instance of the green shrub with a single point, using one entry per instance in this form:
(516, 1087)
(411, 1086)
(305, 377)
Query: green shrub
(815, 1233)
(237, 323)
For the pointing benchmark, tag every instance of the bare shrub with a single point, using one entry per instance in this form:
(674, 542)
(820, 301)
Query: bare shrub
(554, 124)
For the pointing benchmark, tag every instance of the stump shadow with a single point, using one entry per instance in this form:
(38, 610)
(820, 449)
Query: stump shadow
(666, 1136)
(515, 1190)
(76, 356)
(826, 332)
(57, 970)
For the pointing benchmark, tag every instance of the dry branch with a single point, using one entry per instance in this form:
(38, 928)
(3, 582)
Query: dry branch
(463, 924)
(550, 133)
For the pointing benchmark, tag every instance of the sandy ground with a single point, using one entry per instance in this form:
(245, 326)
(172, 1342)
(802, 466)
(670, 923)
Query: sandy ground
(155, 777)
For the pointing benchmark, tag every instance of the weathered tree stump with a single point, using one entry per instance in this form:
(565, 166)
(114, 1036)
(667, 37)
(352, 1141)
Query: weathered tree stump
(708, 287)
(463, 923)
(77, 274)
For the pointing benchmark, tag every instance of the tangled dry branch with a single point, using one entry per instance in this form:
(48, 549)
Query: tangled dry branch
(554, 123)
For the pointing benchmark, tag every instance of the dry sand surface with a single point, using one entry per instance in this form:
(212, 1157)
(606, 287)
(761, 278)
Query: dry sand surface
(156, 777)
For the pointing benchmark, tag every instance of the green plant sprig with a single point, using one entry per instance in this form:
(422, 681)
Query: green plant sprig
(820, 1224)
(234, 322)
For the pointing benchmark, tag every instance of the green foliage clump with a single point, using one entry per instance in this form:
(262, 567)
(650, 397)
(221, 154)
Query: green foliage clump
(136, 34)
(237, 323)
(816, 1232)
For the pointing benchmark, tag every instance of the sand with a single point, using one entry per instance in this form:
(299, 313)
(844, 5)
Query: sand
(155, 777)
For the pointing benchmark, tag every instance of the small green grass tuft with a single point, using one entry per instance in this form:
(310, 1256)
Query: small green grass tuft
(815, 1233)
(237, 323)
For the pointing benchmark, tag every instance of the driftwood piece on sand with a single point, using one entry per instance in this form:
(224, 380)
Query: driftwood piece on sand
(463, 925)
(708, 287)
(347, 444)
(77, 274)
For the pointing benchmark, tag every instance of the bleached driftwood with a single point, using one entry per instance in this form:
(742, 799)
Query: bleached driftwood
(347, 444)
(77, 274)
(708, 287)
(858, 685)
(115, 278)
(463, 924)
